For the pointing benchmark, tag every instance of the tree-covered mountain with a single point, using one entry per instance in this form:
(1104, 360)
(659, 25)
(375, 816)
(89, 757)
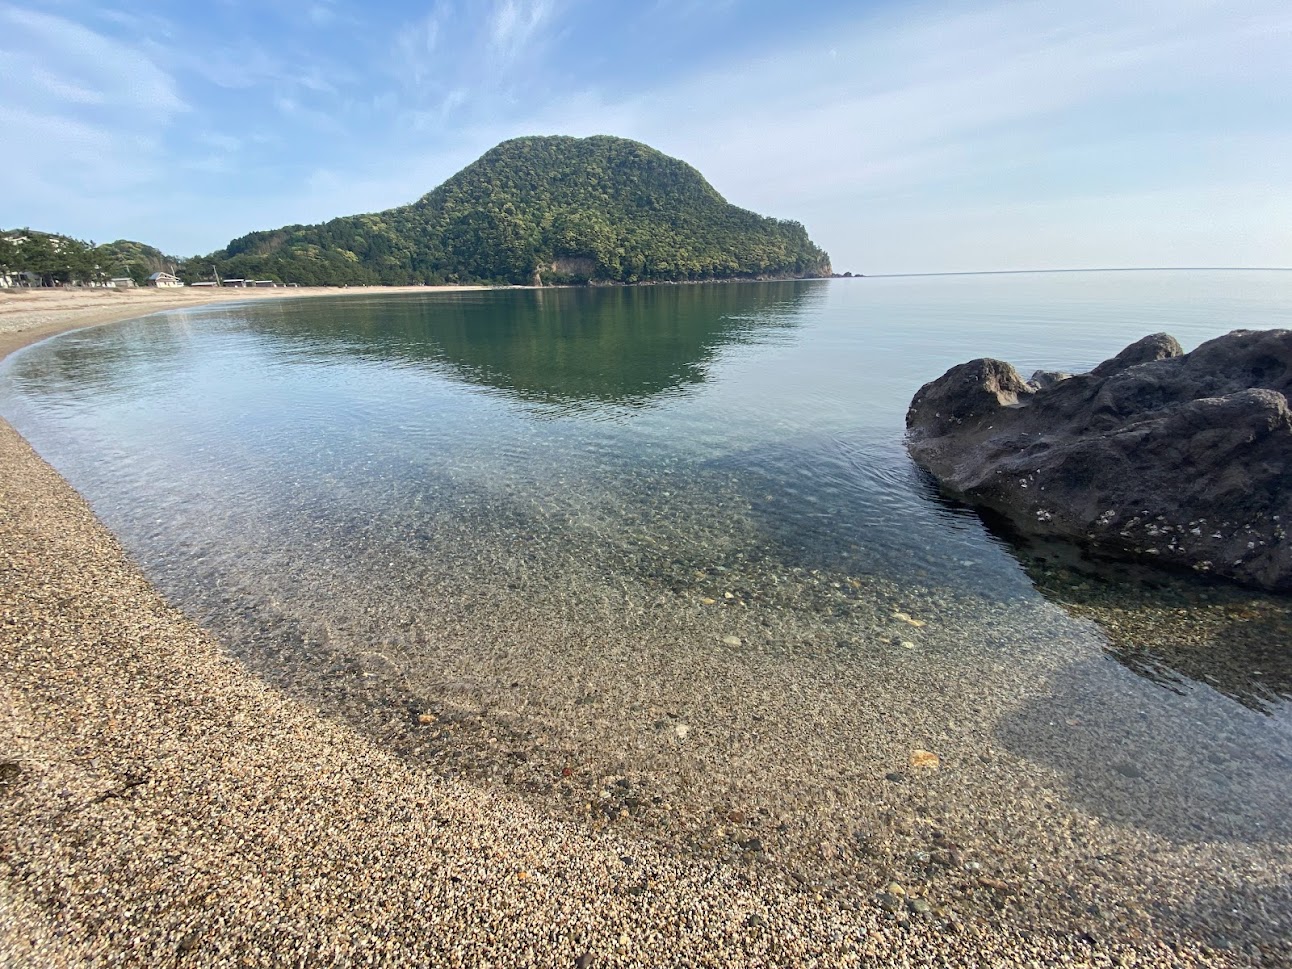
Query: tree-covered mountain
(554, 209)
(56, 259)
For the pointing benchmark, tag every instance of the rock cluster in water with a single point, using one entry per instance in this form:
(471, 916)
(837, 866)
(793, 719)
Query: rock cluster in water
(1173, 458)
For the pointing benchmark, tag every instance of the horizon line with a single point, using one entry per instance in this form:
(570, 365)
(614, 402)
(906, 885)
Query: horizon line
(1100, 269)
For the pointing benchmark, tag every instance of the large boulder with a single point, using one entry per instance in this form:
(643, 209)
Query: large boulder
(1174, 458)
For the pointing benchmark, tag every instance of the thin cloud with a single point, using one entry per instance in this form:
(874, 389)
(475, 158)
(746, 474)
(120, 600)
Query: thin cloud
(88, 112)
(417, 44)
(67, 59)
(515, 25)
(998, 104)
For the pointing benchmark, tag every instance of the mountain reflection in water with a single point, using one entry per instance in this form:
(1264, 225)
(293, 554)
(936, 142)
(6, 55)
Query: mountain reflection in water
(573, 349)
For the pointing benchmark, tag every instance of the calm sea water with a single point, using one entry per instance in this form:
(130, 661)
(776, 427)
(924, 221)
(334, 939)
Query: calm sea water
(671, 535)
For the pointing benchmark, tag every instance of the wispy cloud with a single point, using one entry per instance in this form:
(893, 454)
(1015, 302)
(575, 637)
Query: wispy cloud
(417, 44)
(516, 24)
(459, 60)
(321, 14)
(56, 60)
(83, 113)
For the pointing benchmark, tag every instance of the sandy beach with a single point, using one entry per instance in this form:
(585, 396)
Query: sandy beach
(160, 804)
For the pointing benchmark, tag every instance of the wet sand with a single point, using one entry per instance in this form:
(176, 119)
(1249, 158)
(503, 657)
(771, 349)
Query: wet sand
(160, 804)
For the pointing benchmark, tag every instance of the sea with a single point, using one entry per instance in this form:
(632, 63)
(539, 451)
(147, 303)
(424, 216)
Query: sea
(657, 557)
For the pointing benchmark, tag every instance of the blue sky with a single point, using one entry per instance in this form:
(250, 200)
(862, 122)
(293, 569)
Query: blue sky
(908, 137)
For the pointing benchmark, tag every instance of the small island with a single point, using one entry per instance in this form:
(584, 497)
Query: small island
(538, 211)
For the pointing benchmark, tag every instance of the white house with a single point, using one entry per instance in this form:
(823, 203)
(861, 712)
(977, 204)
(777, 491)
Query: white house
(163, 279)
(19, 280)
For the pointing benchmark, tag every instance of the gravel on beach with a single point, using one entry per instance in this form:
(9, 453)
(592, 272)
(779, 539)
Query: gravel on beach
(161, 805)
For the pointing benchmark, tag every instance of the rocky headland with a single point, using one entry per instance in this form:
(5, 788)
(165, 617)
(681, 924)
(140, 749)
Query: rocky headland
(1179, 459)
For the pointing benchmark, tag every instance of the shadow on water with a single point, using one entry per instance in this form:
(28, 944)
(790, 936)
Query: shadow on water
(1190, 771)
(1190, 747)
(1174, 629)
(570, 349)
(1193, 746)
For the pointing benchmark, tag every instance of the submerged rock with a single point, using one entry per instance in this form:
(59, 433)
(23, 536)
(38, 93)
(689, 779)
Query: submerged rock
(1177, 459)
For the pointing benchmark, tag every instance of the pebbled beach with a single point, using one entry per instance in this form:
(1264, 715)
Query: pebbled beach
(160, 804)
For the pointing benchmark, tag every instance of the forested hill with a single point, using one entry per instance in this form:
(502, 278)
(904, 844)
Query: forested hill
(556, 209)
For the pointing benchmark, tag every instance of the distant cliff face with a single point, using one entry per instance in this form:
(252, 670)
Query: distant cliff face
(555, 208)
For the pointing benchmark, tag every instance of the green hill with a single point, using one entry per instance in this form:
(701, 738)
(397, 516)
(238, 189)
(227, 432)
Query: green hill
(127, 258)
(556, 209)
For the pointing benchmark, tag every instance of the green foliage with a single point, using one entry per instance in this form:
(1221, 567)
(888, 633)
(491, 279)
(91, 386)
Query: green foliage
(54, 259)
(60, 260)
(566, 209)
(133, 259)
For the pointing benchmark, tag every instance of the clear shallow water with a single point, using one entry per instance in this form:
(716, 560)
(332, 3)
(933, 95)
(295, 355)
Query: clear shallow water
(664, 539)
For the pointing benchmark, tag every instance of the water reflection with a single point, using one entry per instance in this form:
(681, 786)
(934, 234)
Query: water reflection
(571, 348)
(136, 359)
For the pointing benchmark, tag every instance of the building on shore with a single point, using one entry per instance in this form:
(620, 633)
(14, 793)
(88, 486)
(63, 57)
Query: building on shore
(121, 282)
(19, 280)
(164, 280)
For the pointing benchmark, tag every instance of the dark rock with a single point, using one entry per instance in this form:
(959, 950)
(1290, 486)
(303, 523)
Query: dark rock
(1175, 459)
(946, 859)
(583, 961)
(1155, 346)
(888, 902)
(752, 845)
(1045, 379)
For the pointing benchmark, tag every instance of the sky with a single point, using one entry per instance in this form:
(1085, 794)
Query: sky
(907, 136)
